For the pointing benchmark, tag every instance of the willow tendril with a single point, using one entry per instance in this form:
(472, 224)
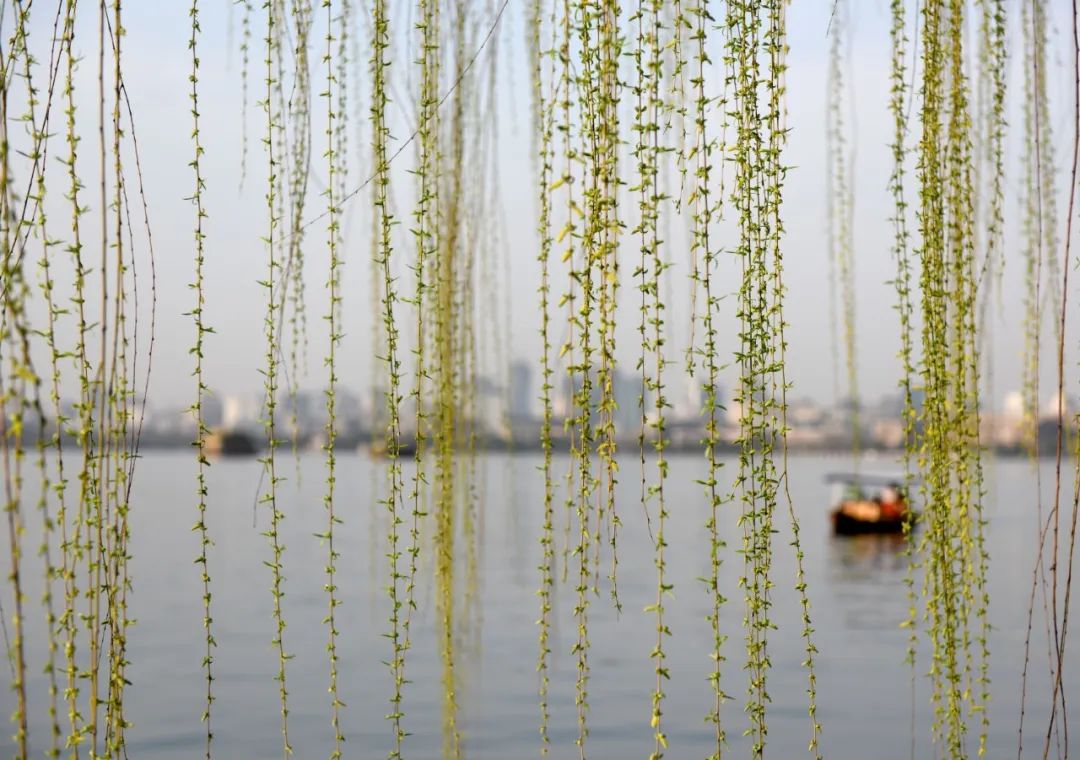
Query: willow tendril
(607, 143)
(274, 280)
(544, 137)
(755, 442)
(651, 105)
(972, 522)
(38, 133)
(996, 62)
(776, 119)
(1059, 648)
(1036, 79)
(755, 41)
(201, 330)
(562, 45)
(641, 156)
(100, 550)
(1040, 213)
(298, 169)
(468, 360)
(678, 95)
(992, 90)
(99, 533)
(478, 272)
(1040, 244)
(1060, 652)
(841, 212)
(97, 548)
(12, 403)
(578, 421)
(245, 48)
(704, 210)
(120, 392)
(583, 372)
(955, 559)
(447, 367)
(333, 317)
(426, 233)
(74, 549)
(904, 308)
(13, 454)
(383, 224)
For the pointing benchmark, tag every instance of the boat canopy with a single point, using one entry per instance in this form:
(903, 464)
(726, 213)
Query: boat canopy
(868, 478)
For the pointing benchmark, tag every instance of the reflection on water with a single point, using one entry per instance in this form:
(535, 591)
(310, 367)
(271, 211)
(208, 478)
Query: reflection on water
(859, 558)
(856, 586)
(866, 576)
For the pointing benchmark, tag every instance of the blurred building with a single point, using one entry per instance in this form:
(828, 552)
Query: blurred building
(521, 392)
(241, 411)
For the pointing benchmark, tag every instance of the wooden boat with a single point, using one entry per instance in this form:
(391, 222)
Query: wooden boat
(230, 443)
(857, 514)
(845, 524)
(378, 449)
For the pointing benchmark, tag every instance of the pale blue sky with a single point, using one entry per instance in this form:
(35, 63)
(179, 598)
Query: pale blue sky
(156, 69)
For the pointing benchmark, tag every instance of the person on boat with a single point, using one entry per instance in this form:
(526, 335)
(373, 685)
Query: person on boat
(891, 503)
(857, 505)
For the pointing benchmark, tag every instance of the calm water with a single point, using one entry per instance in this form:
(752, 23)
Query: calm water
(856, 587)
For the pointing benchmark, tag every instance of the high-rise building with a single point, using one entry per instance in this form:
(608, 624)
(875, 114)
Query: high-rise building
(213, 410)
(521, 390)
(628, 391)
(241, 412)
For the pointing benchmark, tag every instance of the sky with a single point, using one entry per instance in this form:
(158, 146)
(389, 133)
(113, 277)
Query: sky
(156, 70)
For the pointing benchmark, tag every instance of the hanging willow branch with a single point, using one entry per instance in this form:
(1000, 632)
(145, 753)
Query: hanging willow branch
(383, 224)
(755, 459)
(605, 145)
(649, 151)
(93, 538)
(1059, 648)
(201, 331)
(544, 108)
(1039, 209)
(426, 234)
(1040, 254)
(904, 308)
(451, 437)
(756, 41)
(955, 560)
(39, 133)
(841, 206)
(274, 282)
(335, 169)
(75, 548)
(26, 390)
(108, 598)
(776, 49)
(705, 260)
(12, 408)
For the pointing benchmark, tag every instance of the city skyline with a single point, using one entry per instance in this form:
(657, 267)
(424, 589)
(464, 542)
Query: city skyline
(513, 415)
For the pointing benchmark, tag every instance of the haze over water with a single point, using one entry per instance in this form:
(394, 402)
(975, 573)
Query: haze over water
(856, 587)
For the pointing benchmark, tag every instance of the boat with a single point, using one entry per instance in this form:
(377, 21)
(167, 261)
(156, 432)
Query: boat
(858, 513)
(230, 443)
(378, 448)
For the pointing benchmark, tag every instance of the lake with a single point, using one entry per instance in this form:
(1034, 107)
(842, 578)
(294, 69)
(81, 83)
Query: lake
(856, 587)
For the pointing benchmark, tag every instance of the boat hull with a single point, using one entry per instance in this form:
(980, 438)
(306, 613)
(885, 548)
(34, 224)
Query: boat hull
(230, 443)
(846, 525)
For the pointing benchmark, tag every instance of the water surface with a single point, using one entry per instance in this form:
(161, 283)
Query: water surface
(856, 586)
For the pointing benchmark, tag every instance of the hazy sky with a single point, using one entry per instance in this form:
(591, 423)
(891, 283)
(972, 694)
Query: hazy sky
(156, 69)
